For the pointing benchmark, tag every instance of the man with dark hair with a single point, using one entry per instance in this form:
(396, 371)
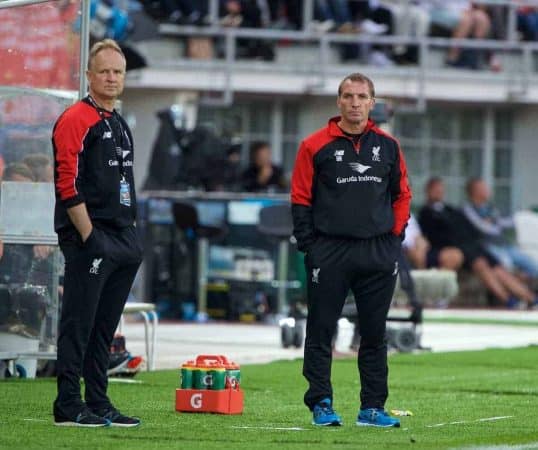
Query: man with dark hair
(262, 174)
(18, 172)
(350, 204)
(95, 220)
(41, 166)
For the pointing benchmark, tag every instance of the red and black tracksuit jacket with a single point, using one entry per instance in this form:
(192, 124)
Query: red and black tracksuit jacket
(348, 190)
(86, 167)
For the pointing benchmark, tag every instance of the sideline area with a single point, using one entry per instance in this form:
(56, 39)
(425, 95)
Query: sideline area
(443, 330)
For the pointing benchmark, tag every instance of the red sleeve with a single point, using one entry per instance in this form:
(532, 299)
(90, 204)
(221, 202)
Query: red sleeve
(68, 140)
(301, 178)
(401, 204)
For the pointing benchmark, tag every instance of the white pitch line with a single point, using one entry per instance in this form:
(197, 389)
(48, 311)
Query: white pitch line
(271, 428)
(125, 380)
(530, 446)
(493, 418)
(485, 419)
(35, 420)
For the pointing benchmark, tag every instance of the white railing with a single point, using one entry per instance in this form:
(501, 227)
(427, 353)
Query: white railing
(517, 76)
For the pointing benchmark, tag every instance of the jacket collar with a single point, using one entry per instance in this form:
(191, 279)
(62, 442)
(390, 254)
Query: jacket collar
(336, 131)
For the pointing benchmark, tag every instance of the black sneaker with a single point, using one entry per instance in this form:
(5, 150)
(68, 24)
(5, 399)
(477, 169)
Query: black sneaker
(84, 419)
(116, 418)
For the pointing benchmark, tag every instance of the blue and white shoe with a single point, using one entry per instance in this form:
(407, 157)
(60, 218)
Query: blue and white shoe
(324, 414)
(376, 417)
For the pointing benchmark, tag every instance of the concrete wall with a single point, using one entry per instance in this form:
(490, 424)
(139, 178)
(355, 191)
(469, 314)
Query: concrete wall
(525, 162)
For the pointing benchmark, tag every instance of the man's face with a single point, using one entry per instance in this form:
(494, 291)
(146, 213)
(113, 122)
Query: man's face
(263, 157)
(106, 75)
(436, 192)
(480, 193)
(355, 102)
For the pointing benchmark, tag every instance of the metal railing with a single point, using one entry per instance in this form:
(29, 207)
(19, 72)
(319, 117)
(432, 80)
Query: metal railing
(517, 77)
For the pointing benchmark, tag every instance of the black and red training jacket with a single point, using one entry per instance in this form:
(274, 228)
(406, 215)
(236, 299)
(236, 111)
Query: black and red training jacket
(349, 190)
(87, 166)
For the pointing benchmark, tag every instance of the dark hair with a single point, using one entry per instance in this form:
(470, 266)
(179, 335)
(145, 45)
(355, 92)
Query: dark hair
(469, 186)
(358, 77)
(255, 147)
(17, 168)
(37, 163)
(432, 181)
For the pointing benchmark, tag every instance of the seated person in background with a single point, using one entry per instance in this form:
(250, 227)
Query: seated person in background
(262, 175)
(462, 19)
(185, 12)
(18, 172)
(41, 167)
(491, 227)
(225, 173)
(21, 263)
(410, 19)
(415, 246)
(527, 22)
(246, 14)
(447, 227)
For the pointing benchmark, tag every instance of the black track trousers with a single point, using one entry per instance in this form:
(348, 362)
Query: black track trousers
(334, 266)
(97, 281)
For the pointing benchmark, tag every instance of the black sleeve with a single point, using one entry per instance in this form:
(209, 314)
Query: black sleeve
(303, 226)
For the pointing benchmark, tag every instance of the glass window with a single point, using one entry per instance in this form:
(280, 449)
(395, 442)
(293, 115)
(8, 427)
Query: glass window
(450, 143)
(441, 160)
(503, 126)
(471, 125)
(413, 155)
(441, 124)
(502, 197)
(291, 114)
(470, 162)
(503, 162)
(260, 117)
(410, 126)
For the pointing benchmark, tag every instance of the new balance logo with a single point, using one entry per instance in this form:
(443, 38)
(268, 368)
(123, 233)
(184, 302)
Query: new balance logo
(358, 167)
(107, 135)
(124, 153)
(315, 275)
(396, 267)
(94, 269)
(338, 154)
(375, 154)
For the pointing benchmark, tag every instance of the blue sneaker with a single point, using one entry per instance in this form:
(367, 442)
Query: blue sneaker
(375, 417)
(324, 414)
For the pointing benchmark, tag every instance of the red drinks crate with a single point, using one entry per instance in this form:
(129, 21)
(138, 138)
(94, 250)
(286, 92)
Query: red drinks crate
(211, 385)
(226, 401)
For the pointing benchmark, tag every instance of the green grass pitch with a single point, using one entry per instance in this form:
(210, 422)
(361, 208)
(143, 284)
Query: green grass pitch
(450, 395)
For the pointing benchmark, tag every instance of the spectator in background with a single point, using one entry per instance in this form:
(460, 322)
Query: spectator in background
(22, 263)
(18, 172)
(447, 228)
(373, 18)
(224, 174)
(286, 14)
(410, 19)
(41, 167)
(415, 246)
(492, 227)
(333, 15)
(460, 19)
(527, 22)
(186, 12)
(246, 14)
(262, 174)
